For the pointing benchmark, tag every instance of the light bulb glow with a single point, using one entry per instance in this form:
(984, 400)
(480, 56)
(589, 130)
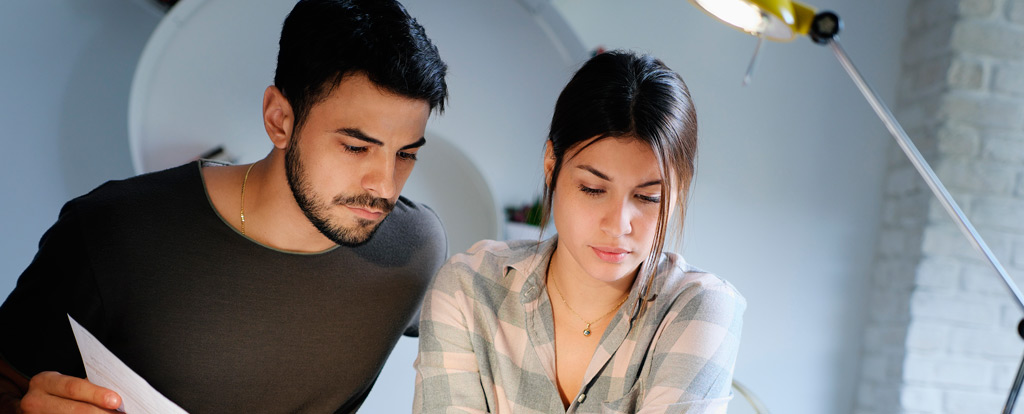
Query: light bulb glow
(739, 13)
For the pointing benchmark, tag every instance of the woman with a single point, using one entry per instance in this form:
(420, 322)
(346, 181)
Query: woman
(597, 318)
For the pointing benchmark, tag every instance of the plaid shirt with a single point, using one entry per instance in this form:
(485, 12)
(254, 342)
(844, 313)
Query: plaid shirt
(487, 340)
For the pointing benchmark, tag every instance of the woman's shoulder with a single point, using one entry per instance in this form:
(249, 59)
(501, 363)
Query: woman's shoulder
(695, 324)
(493, 259)
(681, 284)
(484, 252)
(496, 248)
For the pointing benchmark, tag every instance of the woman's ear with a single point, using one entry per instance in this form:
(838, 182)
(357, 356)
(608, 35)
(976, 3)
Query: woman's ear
(278, 118)
(549, 162)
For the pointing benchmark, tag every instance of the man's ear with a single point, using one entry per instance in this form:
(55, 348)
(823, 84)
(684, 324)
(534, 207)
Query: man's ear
(549, 162)
(278, 117)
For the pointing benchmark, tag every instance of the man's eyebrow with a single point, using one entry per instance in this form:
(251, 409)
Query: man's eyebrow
(360, 135)
(417, 144)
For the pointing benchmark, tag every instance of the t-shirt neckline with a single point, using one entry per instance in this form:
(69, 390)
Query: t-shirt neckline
(200, 164)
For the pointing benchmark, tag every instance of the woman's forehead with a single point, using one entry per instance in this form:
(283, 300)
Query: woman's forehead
(625, 156)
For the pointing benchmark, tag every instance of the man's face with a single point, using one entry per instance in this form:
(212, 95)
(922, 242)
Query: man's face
(348, 163)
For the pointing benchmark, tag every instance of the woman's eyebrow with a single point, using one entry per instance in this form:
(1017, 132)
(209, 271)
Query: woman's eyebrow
(594, 171)
(605, 177)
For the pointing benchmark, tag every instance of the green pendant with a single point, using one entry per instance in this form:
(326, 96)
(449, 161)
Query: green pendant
(586, 331)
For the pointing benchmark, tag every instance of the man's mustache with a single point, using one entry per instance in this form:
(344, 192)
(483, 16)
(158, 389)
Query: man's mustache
(365, 201)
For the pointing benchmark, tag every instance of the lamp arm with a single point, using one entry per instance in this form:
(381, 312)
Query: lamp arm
(923, 168)
(751, 398)
(1011, 399)
(940, 192)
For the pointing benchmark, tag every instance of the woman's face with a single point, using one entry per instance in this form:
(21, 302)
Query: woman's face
(605, 206)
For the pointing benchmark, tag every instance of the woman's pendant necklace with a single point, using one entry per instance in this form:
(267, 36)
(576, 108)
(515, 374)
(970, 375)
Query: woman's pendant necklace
(586, 331)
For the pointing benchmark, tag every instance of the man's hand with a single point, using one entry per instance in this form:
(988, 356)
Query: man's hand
(51, 392)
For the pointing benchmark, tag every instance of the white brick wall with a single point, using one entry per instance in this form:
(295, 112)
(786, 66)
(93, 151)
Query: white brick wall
(1009, 78)
(959, 140)
(985, 111)
(1015, 11)
(977, 8)
(1006, 146)
(989, 38)
(954, 308)
(966, 74)
(928, 337)
(941, 331)
(917, 398)
(965, 402)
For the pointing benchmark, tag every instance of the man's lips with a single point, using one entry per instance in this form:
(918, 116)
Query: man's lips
(366, 213)
(610, 254)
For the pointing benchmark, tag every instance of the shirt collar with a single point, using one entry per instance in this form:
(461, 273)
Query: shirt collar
(531, 257)
(531, 261)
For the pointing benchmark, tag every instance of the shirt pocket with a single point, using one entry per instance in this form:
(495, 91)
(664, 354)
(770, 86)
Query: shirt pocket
(626, 404)
(705, 406)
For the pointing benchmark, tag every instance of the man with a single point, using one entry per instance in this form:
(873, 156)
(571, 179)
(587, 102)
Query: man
(279, 286)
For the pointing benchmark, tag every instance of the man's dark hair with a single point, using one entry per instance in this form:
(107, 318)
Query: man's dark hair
(325, 40)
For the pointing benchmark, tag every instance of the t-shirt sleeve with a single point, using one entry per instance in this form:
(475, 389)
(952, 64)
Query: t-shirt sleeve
(436, 243)
(59, 281)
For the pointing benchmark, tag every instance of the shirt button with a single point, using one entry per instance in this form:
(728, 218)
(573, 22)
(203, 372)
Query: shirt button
(581, 398)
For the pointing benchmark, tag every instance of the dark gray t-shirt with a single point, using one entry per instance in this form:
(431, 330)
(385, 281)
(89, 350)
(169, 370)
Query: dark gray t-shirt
(215, 321)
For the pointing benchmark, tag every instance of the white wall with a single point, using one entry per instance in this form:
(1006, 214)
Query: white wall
(787, 198)
(66, 71)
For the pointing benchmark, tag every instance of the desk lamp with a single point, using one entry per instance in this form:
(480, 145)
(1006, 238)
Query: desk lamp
(784, 20)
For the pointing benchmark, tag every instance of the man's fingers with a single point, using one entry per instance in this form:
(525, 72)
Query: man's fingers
(76, 389)
(41, 403)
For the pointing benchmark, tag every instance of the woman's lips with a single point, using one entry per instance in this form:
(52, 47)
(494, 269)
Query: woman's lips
(610, 254)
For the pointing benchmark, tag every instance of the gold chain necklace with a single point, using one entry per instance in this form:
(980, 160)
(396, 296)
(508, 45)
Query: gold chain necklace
(586, 331)
(241, 211)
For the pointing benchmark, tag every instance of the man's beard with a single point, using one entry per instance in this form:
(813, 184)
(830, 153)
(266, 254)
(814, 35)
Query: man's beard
(317, 211)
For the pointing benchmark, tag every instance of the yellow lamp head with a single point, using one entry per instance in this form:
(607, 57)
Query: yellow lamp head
(779, 20)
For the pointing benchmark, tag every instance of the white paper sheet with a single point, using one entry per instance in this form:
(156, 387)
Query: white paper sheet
(106, 370)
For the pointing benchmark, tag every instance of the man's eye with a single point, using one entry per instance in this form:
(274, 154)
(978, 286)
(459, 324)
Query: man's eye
(410, 156)
(354, 149)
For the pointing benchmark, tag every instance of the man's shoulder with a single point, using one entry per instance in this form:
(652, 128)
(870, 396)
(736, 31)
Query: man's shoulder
(415, 211)
(160, 186)
(415, 220)
(412, 231)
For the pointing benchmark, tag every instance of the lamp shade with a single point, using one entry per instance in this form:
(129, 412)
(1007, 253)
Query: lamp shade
(779, 20)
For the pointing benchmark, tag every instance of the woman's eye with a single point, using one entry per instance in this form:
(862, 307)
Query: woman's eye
(649, 199)
(354, 149)
(408, 156)
(590, 191)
